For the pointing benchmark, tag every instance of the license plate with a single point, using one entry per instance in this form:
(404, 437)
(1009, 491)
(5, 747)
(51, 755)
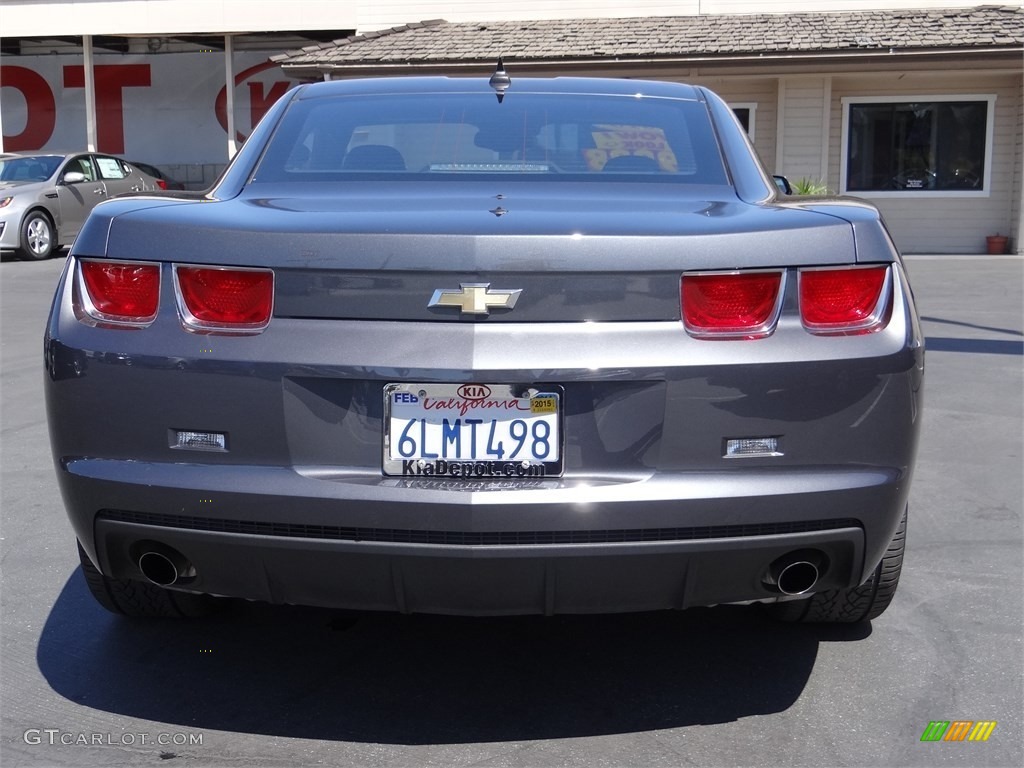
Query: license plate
(472, 431)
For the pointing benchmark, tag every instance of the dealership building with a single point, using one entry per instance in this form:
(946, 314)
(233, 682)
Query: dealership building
(916, 105)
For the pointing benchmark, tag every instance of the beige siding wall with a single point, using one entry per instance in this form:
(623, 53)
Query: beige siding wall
(804, 106)
(922, 224)
(1017, 216)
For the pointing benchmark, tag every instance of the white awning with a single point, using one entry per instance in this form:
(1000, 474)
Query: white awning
(63, 18)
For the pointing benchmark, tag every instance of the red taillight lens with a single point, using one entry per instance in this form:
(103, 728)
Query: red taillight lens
(739, 305)
(230, 299)
(844, 300)
(161, 183)
(121, 292)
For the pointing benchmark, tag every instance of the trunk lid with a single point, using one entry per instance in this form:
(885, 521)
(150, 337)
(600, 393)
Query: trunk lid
(612, 251)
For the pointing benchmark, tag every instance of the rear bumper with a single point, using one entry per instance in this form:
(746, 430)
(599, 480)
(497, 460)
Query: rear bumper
(560, 547)
(497, 580)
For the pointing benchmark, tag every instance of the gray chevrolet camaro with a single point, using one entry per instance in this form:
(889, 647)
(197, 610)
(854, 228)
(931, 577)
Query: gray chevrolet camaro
(488, 347)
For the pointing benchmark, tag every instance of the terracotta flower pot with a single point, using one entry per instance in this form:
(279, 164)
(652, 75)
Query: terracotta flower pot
(996, 243)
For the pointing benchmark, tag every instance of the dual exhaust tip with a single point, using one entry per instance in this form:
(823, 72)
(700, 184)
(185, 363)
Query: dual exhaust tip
(796, 573)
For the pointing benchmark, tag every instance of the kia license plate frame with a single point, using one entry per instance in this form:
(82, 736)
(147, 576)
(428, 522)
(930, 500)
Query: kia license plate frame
(473, 431)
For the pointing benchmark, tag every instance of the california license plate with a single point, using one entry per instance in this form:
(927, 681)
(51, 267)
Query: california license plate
(472, 431)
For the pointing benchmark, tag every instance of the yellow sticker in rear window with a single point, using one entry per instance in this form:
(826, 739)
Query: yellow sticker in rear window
(640, 140)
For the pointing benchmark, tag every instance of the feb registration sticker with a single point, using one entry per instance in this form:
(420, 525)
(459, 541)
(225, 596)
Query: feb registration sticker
(472, 431)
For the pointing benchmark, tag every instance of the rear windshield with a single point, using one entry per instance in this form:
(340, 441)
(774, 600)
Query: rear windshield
(447, 135)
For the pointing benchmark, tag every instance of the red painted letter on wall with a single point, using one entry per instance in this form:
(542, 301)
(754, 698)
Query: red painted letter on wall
(260, 102)
(42, 109)
(110, 80)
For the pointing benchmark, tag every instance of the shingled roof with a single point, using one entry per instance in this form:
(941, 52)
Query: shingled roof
(669, 37)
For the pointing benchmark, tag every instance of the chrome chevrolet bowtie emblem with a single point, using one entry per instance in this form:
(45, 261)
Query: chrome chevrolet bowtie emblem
(475, 298)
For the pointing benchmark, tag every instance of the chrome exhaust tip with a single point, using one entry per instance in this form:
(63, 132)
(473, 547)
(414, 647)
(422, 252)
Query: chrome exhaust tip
(796, 573)
(164, 566)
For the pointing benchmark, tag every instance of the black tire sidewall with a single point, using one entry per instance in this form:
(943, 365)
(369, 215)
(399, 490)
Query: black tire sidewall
(863, 603)
(25, 250)
(141, 600)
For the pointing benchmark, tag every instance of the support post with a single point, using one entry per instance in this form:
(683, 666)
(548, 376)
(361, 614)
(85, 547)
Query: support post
(229, 76)
(90, 93)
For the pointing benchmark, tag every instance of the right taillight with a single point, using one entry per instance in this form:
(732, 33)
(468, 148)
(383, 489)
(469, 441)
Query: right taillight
(160, 183)
(844, 300)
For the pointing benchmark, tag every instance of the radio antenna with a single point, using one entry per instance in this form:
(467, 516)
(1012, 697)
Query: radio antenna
(500, 81)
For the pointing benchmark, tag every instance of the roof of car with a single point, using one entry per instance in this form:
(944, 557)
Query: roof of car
(555, 85)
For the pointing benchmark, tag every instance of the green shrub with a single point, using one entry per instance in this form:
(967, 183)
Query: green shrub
(807, 186)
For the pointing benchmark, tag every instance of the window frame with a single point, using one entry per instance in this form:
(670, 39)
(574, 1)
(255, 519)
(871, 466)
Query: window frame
(901, 194)
(751, 107)
(113, 162)
(84, 158)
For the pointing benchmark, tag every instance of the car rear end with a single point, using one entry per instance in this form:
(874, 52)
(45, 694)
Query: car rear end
(492, 384)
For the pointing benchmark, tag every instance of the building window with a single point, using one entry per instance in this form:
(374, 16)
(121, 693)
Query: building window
(746, 113)
(929, 145)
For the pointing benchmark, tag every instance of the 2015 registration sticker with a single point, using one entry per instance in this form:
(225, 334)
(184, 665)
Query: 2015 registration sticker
(472, 430)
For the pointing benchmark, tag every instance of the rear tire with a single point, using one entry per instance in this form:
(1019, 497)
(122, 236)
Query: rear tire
(38, 237)
(141, 599)
(863, 603)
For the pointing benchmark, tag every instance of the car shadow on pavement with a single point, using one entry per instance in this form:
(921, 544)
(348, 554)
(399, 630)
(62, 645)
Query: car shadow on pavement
(6, 256)
(975, 326)
(977, 346)
(382, 678)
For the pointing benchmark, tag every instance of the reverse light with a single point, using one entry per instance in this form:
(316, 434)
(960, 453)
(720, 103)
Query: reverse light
(192, 440)
(731, 305)
(845, 300)
(119, 292)
(751, 447)
(224, 299)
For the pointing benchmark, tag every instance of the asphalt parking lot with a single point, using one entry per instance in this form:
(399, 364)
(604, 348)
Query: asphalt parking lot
(282, 686)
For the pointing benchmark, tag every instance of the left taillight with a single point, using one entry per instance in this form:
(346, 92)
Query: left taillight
(224, 299)
(124, 293)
